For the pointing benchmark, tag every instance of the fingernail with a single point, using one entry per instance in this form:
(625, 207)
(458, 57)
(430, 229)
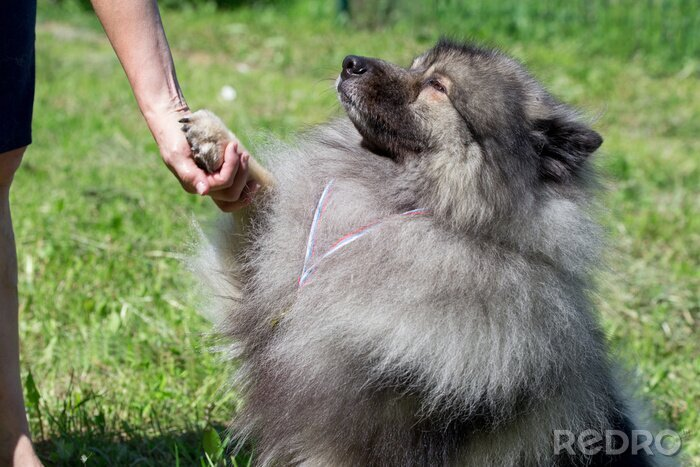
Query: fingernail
(245, 157)
(201, 187)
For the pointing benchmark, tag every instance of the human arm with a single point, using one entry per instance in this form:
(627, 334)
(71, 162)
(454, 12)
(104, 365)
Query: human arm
(135, 30)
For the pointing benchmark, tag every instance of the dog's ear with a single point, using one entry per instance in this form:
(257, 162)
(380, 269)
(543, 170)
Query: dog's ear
(565, 144)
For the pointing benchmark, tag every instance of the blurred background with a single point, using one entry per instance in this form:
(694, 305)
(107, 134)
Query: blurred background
(119, 367)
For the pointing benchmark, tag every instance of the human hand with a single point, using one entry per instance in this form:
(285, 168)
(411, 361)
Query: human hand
(228, 185)
(177, 155)
(217, 150)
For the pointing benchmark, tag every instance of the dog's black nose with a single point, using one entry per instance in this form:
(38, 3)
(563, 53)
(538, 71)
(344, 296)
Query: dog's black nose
(354, 65)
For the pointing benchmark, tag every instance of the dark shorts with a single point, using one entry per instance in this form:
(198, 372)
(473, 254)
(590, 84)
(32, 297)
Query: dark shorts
(17, 23)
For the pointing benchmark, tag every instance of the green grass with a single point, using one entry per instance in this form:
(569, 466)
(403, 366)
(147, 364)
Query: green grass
(120, 358)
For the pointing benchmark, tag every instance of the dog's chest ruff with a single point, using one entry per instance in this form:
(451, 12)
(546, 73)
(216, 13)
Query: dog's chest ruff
(312, 259)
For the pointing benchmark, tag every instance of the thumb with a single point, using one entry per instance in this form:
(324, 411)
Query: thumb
(201, 187)
(192, 178)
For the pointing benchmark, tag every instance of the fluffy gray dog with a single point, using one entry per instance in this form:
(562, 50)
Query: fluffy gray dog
(414, 288)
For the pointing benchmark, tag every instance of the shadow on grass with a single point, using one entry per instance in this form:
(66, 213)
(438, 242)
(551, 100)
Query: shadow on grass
(187, 448)
(77, 431)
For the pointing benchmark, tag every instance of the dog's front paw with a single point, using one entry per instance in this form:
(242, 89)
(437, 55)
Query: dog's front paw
(208, 137)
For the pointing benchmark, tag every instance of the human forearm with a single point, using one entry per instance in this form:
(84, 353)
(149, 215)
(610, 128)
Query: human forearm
(135, 30)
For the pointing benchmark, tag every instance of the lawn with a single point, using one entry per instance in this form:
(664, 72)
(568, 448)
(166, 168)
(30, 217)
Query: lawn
(119, 365)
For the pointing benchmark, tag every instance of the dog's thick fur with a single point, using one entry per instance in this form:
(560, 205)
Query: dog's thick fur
(464, 337)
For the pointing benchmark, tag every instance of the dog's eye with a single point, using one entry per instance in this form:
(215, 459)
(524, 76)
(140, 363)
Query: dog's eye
(437, 85)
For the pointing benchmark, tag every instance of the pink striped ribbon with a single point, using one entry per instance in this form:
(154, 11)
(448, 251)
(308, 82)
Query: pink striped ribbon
(343, 241)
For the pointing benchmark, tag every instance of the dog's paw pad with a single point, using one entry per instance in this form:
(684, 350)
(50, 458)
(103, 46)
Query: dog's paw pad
(207, 136)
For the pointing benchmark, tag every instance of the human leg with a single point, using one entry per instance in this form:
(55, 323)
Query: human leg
(17, 20)
(15, 444)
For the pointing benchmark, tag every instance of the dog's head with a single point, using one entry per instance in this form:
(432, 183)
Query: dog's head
(474, 121)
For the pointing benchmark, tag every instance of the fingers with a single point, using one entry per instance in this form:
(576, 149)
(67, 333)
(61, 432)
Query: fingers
(227, 206)
(237, 184)
(229, 187)
(177, 155)
(225, 176)
(241, 177)
(195, 180)
(251, 187)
